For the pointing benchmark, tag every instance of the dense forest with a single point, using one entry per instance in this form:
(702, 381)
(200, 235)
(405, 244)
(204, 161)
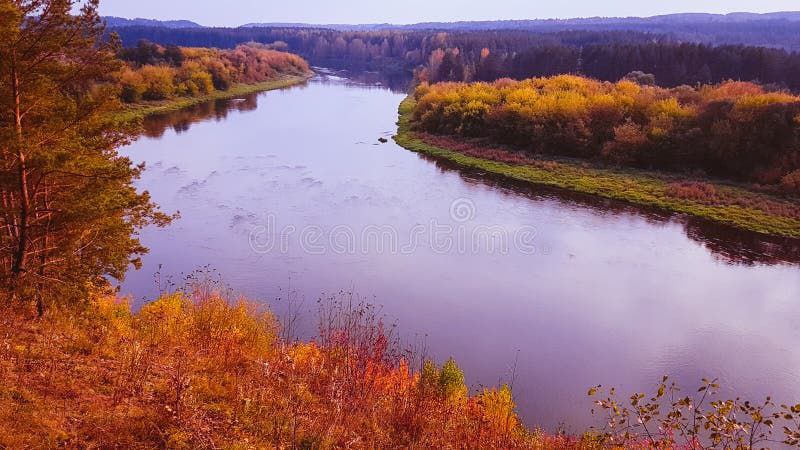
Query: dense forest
(491, 55)
(776, 30)
(734, 129)
(153, 72)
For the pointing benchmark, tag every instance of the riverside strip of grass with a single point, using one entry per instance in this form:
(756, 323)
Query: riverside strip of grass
(141, 110)
(637, 187)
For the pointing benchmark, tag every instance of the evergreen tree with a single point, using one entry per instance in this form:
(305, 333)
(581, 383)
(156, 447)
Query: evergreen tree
(70, 213)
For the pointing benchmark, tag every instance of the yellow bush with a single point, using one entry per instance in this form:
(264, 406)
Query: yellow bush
(159, 82)
(746, 107)
(498, 409)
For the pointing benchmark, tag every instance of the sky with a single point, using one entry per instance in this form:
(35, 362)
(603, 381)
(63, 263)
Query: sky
(238, 12)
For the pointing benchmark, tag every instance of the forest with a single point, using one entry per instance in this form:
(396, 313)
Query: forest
(491, 55)
(153, 72)
(734, 130)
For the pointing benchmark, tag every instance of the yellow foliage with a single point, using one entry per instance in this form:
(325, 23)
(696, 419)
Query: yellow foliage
(202, 70)
(522, 96)
(498, 409)
(745, 107)
(187, 371)
(730, 90)
(572, 83)
(628, 88)
(306, 355)
(668, 108)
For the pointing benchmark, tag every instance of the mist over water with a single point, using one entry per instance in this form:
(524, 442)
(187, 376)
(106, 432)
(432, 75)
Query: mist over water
(290, 195)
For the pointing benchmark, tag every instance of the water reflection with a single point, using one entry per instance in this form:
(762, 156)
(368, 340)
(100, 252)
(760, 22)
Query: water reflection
(727, 244)
(399, 83)
(181, 121)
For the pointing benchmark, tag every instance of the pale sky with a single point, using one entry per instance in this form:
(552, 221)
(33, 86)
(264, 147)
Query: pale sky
(238, 12)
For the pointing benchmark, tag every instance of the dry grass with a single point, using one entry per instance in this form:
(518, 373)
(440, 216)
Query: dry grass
(204, 373)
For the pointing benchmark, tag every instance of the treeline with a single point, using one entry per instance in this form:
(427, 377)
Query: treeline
(491, 55)
(672, 64)
(734, 129)
(154, 72)
(776, 30)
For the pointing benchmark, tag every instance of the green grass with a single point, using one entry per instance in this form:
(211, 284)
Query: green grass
(139, 111)
(636, 187)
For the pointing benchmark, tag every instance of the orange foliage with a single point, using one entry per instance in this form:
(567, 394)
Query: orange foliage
(202, 70)
(733, 129)
(201, 372)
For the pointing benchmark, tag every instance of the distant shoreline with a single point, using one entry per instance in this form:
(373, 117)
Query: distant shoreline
(629, 185)
(138, 111)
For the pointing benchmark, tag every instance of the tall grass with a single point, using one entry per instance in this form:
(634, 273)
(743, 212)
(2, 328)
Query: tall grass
(202, 372)
(199, 371)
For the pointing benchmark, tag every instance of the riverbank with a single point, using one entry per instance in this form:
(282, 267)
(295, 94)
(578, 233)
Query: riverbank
(197, 371)
(139, 111)
(721, 202)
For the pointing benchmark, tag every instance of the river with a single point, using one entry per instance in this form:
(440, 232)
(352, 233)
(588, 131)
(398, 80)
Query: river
(289, 197)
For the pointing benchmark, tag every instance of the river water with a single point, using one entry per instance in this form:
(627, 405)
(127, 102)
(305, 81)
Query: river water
(289, 197)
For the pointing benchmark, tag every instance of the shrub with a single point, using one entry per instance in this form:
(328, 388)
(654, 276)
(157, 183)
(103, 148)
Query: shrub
(451, 380)
(199, 371)
(692, 191)
(157, 73)
(629, 139)
(158, 81)
(132, 86)
(671, 419)
(641, 78)
(791, 182)
(734, 129)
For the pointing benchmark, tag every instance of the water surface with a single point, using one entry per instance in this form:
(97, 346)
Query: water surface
(583, 292)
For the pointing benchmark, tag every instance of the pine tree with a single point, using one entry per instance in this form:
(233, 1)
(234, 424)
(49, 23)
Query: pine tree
(70, 212)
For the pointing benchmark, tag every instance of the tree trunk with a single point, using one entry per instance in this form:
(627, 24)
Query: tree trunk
(43, 257)
(20, 255)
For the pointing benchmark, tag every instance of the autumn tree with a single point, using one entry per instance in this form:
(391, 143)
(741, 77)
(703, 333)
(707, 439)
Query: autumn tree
(733, 130)
(70, 212)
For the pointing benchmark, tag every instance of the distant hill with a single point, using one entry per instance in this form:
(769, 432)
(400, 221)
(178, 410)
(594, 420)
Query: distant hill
(774, 30)
(338, 27)
(662, 23)
(556, 24)
(120, 22)
(678, 20)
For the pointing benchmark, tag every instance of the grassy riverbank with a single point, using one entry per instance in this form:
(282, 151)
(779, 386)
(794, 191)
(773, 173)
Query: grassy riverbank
(141, 110)
(200, 372)
(721, 202)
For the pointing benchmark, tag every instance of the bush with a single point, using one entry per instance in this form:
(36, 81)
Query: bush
(157, 73)
(641, 78)
(701, 192)
(158, 81)
(791, 182)
(629, 139)
(734, 130)
(198, 371)
(132, 86)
